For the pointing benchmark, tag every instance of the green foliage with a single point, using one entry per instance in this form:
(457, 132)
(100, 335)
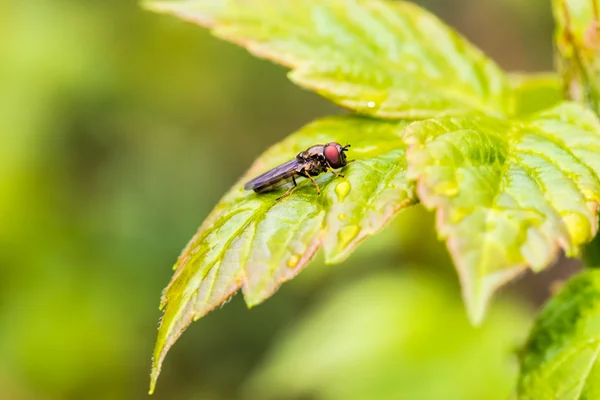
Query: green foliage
(406, 326)
(121, 131)
(527, 187)
(560, 360)
(512, 175)
(256, 243)
(578, 46)
(381, 58)
(535, 92)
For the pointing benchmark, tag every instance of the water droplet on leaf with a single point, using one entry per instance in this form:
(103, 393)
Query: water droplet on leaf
(342, 189)
(293, 261)
(347, 233)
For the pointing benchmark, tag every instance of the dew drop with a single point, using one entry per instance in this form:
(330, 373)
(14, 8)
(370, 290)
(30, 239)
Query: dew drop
(347, 233)
(371, 104)
(342, 217)
(293, 261)
(342, 189)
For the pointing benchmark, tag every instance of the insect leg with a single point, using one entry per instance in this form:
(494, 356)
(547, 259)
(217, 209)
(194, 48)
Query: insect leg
(314, 183)
(336, 173)
(287, 193)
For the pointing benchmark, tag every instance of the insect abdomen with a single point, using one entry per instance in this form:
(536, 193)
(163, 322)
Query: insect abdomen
(269, 186)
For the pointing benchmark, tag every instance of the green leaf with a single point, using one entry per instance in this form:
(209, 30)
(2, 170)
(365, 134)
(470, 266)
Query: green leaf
(508, 194)
(536, 92)
(403, 339)
(577, 41)
(256, 243)
(560, 360)
(381, 58)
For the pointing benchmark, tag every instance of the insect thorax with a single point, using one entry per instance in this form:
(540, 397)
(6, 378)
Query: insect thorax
(312, 153)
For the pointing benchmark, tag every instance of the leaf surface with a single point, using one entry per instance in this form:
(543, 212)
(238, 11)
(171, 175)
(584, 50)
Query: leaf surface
(536, 92)
(256, 243)
(381, 58)
(561, 359)
(508, 194)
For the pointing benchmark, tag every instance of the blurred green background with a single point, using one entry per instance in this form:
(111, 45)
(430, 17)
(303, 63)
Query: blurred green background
(120, 130)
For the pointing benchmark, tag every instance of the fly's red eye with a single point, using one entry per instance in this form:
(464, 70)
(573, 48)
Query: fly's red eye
(332, 155)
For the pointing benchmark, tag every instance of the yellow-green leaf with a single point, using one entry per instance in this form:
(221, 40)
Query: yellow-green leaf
(577, 41)
(536, 92)
(378, 57)
(256, 243)
(508, 194)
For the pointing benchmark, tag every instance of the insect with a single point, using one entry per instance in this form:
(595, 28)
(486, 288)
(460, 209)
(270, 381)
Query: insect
(312, 162)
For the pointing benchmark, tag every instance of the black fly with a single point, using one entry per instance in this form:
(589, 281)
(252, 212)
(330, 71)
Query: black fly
(311, 162)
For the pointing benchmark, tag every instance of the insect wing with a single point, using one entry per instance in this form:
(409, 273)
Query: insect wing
(274, 178)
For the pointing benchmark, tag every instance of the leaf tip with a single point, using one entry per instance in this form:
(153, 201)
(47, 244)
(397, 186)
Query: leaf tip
(478, 294)
(253, 298)
(154, 374)
(476, 310)
(252, 301)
